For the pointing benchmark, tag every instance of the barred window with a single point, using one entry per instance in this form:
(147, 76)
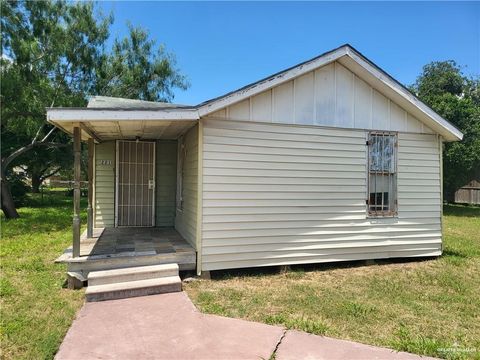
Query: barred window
(382, 174)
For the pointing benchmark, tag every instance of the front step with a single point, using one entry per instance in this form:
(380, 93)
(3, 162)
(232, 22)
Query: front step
(131, 282)
(131, 274)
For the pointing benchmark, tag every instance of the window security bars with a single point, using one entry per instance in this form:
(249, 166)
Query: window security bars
(135, 183)
(382, 174)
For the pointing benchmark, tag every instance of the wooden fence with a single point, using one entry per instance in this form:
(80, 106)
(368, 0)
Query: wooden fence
(469, 194)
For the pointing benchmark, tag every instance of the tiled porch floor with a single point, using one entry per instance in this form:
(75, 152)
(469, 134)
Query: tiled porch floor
(136, 242)
(111, 248)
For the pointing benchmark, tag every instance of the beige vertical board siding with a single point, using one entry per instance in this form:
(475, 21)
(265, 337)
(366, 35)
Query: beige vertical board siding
(282, 104)
(186, 219)
(240, 111)
(331, 95)
(104, 192)
(262, 106)
(304, 99)
(278, 194)
(344, 96)
(325, 95)
(166, 180)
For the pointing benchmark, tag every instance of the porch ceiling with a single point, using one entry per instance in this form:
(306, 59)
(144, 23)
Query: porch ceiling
(128, 129)
(125, 119)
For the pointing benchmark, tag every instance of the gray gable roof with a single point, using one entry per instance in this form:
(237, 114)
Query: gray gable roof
(107, 102)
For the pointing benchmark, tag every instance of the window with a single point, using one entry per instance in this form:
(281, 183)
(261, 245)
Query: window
(382, 174)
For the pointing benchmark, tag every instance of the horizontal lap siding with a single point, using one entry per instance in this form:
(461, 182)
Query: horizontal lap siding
(279, 194)
(186, 220)
(104, 212)
(166, 180)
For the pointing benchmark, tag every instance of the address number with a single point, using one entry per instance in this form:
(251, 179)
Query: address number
(105, 162)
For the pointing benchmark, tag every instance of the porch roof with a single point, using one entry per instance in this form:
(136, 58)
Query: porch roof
(107, 118)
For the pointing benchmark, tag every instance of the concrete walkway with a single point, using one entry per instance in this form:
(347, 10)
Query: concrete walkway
(168, 326)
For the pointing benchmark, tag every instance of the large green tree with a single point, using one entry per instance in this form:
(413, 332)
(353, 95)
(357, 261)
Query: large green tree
(137, 69)
(54, 53)
(456, 97)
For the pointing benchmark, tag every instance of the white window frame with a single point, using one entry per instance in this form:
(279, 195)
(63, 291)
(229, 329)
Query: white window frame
(378, 209)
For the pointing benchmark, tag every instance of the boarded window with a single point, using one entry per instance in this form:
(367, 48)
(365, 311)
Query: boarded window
(382, 174)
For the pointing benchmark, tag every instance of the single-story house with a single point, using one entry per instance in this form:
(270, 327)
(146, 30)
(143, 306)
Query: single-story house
(329, 160)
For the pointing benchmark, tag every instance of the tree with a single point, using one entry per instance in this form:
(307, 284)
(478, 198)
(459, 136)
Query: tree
(54, 54)
(454, 96)
(48, 51)
(55, 159)
(136, 69)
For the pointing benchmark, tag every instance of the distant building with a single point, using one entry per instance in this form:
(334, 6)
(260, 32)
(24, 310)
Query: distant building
(469, 193)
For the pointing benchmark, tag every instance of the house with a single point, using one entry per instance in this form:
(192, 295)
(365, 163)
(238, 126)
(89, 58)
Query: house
(329, 160)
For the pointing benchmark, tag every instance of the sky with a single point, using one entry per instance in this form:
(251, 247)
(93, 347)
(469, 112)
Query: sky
(222, 46)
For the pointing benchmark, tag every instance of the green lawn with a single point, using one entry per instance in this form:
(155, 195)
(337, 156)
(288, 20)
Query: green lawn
(416, 306)
(412, 306)
(36, 309)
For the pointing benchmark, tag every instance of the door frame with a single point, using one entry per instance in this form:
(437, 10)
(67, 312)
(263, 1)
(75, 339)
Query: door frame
(117, 170)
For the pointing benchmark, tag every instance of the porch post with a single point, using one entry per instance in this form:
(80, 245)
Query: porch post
(90, 189)
(76, 191)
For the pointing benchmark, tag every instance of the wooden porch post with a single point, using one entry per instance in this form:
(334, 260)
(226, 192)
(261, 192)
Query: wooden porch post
(90, 188)
(76, 191)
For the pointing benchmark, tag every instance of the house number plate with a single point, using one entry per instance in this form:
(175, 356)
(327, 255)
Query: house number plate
(105, 162)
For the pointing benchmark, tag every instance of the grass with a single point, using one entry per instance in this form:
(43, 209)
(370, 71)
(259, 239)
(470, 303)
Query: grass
(418, 306)
(429, 307)
(36, 309)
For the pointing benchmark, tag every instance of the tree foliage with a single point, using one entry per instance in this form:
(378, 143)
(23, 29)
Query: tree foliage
(54, 53)
(456, 97)
(136, 69)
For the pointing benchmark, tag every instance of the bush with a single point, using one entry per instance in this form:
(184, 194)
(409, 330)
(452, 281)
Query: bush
(18, 188)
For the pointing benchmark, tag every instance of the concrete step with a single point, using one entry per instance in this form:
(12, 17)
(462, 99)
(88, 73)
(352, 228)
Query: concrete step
(131, 274)
(135, 288)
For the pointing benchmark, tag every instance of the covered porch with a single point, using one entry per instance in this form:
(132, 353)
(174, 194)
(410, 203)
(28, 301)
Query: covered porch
(111, 248)
(142, 185)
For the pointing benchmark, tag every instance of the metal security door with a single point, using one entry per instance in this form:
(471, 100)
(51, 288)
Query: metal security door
(135, 183)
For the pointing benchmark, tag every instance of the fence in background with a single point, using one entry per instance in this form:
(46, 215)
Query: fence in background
(469, 194)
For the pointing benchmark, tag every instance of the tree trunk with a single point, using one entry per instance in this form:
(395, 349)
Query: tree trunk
(449, 196)
(36, 182)
(8, 206)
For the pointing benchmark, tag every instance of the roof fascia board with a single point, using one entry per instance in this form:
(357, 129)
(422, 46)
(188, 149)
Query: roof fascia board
(270, 82)
(449, 131)
(61, 115)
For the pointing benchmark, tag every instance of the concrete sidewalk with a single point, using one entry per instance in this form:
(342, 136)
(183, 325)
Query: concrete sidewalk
(168, 326)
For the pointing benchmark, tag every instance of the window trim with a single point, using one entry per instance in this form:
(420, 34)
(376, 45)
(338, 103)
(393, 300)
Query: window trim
(393, 211)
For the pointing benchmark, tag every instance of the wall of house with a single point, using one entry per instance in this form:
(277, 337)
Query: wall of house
(104, 186)
(329, 96)
(166, 182)
(186, 219)
(278, 194)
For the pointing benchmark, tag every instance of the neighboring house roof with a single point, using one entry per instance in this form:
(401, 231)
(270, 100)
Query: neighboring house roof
(345, 54)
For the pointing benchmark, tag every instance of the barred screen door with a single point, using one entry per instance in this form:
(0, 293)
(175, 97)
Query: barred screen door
(135, 183)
